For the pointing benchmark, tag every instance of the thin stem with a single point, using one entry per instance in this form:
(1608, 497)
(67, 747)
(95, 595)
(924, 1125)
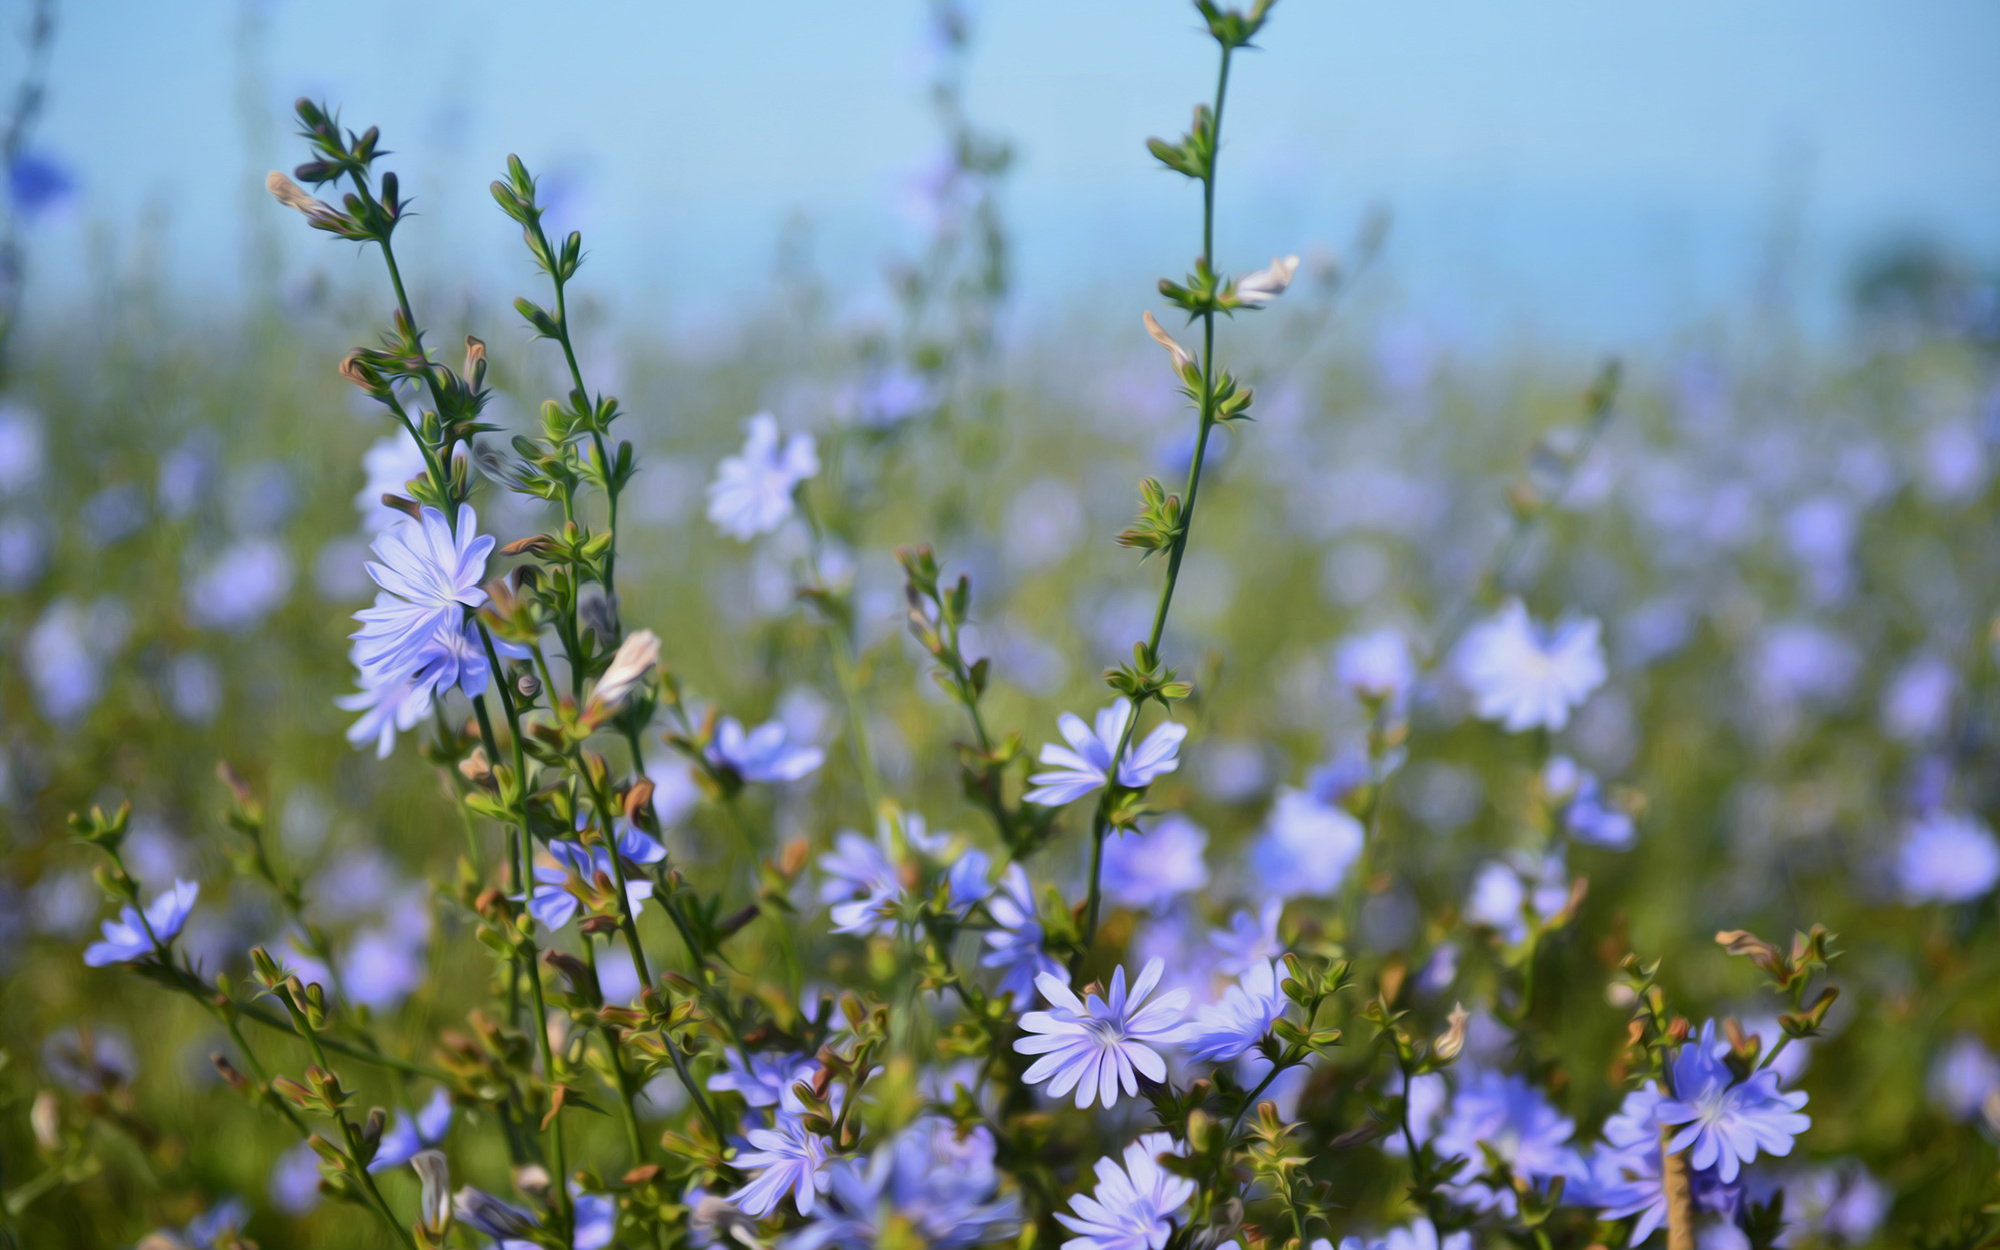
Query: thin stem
(1100, 822)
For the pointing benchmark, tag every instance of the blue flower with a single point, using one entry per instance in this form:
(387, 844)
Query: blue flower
(131, 937)
(418, 640)
(579, 874)
(752, 490)
(1961, 1077)
(1947, 858)
(1133, 1206)
(1727, 1122)
(1249, 940)
(596, 1220)
(1526, 676)
(763, 754)
(1097, 1045)
(37, 183)
(1376, 665)
(497, 1218)
(863, 886)
(766, 1080)
(1307, 846)
(1506, 896)
(1243, 1018)
(406, 1136)
(294, 1183)
(1151, 868)
(213, 1229)
(1015, 943)
(241, 586)
(1514, 1120)
(429, 574)
(1086, 763)
(1578, 796)
(389, 464)
(938, 1185)
(784, 1158)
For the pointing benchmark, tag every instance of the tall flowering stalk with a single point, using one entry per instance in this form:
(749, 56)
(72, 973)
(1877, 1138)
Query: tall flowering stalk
(1166, 521)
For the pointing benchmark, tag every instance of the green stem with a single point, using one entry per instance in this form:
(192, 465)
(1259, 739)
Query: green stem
(1100, 822)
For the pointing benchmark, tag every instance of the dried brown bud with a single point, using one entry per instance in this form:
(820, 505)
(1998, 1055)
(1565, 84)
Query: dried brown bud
(408, 507)
(292, 195)
(641, 1175)
(475, 768)
(638, 798)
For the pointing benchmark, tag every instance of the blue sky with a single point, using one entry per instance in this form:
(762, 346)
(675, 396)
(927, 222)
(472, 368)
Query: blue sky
(1570, 169)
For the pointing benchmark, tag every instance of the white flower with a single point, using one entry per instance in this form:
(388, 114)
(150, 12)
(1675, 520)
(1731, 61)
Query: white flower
(1525, 676)
(1098, 1045)
(1134, 1205)
(1083, 768)
(752, 491)
(1260, 288)
(1242, 1019)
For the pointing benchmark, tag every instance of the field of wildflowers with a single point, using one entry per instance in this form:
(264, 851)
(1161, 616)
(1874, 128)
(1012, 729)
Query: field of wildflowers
(1255, 789)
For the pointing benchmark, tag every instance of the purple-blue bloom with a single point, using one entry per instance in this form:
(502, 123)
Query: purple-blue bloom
(752, 490)
(407, 1136)
(132, 937)
(1946, 857)
(763, 754)
(1242, 1019)
(1015, 944)
(1307, 846)
(1084, 765)
(578, 873)
(939, 1186)
(1249, 940)
(781, 1159)
(1097, 1045)
(1726, 1122)
(1151, 868)
(1133, 1206)
(1514, 1120)
(767, 1080)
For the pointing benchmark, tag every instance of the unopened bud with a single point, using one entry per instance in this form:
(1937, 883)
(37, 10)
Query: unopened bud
(46, 1118)
(292, 195)
(532, 1179)
(1447, 1045)
(528, 684)
(236, 1080)
(638, 798)
(408, 507)
(434, 1208)
(475, 768)
(475, 361)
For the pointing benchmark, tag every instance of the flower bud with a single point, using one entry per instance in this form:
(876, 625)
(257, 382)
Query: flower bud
(638, 653)
(1183, 359)
(46, 1118)
(1260, 288)
(475, 361)
(532, 1179)
(292, 195)
(1447, 1045)
(434, 1208)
